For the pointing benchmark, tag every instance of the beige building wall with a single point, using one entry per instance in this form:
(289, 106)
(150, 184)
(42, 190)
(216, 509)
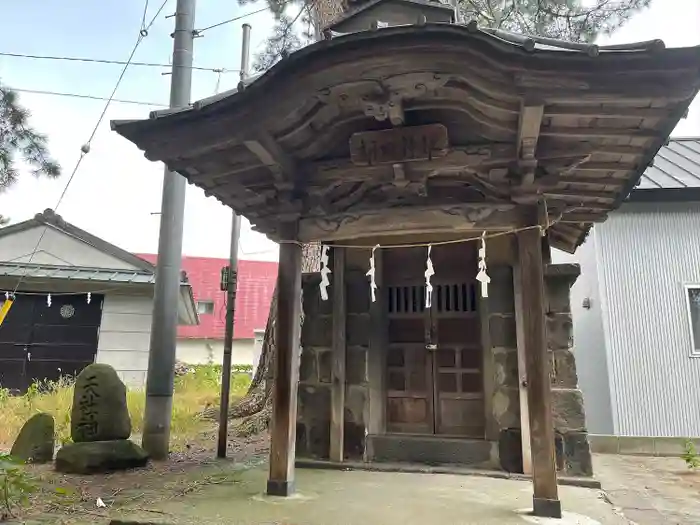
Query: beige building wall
(211, 351)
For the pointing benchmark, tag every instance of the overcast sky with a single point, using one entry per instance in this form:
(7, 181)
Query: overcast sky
(116, 190)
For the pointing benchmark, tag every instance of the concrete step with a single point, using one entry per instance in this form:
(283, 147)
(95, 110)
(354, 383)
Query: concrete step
(429, 450)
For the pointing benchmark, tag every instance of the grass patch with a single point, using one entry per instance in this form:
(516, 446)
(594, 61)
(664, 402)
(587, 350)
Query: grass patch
(197, 389)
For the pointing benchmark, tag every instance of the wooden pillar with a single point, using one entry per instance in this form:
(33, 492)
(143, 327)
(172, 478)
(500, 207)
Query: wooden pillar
(376, 357)
(339, 349)
(532, 313)
(520, 306)
(286, 367)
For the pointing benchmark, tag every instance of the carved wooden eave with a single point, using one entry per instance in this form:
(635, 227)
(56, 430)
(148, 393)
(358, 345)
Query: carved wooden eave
(523, 124)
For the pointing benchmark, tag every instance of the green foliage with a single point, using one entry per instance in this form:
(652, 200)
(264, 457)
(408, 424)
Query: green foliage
(690, 455)
(15, 485)
(571, 20)
(18, 138)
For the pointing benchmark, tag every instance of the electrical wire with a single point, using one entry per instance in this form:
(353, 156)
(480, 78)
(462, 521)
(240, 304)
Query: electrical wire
(240, 17)
(114, 62)
(88, 97)
(143, 33)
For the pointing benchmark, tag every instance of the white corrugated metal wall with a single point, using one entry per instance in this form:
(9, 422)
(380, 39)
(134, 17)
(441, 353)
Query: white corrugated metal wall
(647, 252)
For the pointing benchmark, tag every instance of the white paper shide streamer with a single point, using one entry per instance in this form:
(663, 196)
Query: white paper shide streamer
(371, 275)
(482, 276)
(429, 272)
(48, 300)
(325, 270)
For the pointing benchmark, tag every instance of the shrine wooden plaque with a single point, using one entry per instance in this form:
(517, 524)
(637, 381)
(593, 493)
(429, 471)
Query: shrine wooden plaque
(398, 145)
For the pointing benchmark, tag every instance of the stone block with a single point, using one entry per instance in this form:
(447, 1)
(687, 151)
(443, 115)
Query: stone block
(312, 303)
(317, 330)
(325, 365)
(353, 441)
(632, 445)
(358, 329)
(100, 456)
(314, 403)
(302, 447)
(356, 366)
(308, 369)
(357, 293)
(567, 409)
(577, 454)
(669, 446)
(502, 331)
(501, 297)
(510, 452)
(602, 444)
(99, 411)
(355, 404)
(319, 438)
(505, 363)
(506, 407)
(558, 279)
(35, 442)
(563, 369)
(560, 331)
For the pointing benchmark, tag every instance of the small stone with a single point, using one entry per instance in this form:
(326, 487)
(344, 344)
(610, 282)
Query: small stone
(35, 442)
(99, 410)
(100, 456)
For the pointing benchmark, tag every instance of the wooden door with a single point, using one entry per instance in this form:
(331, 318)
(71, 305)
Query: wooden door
(409, 377)
(434, 360)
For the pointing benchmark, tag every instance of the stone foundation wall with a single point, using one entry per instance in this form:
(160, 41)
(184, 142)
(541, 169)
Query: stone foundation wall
(573, 451)
(314, 398)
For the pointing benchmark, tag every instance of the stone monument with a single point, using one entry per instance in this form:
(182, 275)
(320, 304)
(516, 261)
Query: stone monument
(35, 442)
(100, 426)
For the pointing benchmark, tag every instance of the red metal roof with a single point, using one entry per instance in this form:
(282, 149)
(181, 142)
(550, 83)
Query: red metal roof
(256, 284)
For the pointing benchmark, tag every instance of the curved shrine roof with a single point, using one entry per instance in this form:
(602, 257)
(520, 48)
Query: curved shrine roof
(500, 120)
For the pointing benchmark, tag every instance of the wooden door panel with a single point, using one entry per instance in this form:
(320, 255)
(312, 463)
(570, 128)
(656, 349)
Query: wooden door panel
(409, 389)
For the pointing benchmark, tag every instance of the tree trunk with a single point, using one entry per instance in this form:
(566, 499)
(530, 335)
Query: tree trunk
(255, 408)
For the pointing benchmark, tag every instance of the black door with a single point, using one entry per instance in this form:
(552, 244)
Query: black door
(40, 342)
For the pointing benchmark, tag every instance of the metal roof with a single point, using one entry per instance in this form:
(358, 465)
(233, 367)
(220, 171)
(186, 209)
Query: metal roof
(675, 166)
(103, 275)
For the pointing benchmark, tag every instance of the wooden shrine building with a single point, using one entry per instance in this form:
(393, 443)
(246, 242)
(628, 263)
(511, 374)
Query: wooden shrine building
(416, 135)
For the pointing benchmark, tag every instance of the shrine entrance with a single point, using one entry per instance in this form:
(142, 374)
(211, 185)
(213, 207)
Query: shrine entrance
(434, 373)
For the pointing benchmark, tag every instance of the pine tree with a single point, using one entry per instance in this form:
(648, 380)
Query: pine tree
(18, 138)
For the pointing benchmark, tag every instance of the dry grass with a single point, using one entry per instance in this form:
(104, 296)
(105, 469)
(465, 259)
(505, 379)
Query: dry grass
(193, 392)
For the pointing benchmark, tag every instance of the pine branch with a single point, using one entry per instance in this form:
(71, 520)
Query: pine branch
(572, 20)
(18, 138)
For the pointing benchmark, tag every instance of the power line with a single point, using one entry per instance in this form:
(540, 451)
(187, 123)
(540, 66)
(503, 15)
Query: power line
(200, 31)
(113, 62)
(85, 149)
(88, 97)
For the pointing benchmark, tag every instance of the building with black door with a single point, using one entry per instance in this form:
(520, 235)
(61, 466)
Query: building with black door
(80, 300)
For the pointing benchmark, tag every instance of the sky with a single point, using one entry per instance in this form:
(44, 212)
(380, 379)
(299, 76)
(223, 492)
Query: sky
(116, 192)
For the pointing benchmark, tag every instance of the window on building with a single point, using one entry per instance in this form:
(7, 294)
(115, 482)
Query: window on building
(205, 307)
(693, 296)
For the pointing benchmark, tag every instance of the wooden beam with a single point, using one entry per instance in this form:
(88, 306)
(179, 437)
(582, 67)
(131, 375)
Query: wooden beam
(411, 220)
(604, 112)
(376, 358)
(339, 350)
(269, 152)
(286, 367)
(529, 125)
(532, 314)
(522, 371)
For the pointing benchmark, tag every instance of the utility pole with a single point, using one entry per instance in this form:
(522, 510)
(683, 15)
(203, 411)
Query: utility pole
(231, 291)
(161, 356)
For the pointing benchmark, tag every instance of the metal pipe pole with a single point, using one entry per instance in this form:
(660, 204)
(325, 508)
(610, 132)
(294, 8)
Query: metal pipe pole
(161, 357)
(231, 292)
